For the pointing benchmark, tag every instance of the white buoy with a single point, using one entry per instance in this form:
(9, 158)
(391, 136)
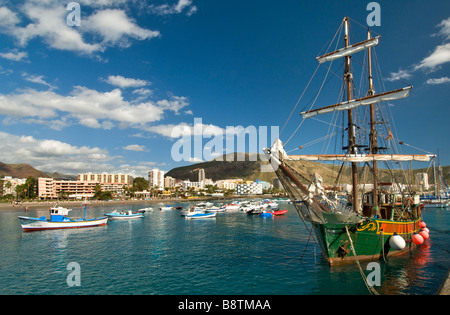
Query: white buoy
(397, 242)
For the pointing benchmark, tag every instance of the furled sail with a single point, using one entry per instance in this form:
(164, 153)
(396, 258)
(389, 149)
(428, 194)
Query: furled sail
(359, 158)
(348, 50)
(373, 99)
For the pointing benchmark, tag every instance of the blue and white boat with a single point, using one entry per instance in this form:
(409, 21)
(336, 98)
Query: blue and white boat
(59, 220)
(193, 214)
(129, 215)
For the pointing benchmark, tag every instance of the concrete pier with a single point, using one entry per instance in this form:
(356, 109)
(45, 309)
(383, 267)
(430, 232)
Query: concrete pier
(444, 289)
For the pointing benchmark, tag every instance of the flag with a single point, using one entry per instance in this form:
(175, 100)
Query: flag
(390, 136)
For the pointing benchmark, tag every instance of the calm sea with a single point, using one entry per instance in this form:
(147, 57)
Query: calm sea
(233, 254)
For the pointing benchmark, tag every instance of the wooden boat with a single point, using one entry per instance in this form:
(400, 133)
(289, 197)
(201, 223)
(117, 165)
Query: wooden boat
(59, 220)
(359, 228)
(128, 215)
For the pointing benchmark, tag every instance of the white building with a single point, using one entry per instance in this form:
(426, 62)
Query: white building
(227, 183)
(156, 178)
(186, 184)
(249, 189)
(13, 183)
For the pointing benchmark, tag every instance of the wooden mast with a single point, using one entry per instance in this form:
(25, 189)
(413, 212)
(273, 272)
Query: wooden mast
(373, 135)
(351, 132)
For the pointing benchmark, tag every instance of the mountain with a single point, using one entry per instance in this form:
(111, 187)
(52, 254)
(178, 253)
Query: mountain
(251, 170)
(19, 171)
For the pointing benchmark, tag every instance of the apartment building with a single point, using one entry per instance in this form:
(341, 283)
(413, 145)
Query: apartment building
(156, 178)
(249, 189)
(106, 178)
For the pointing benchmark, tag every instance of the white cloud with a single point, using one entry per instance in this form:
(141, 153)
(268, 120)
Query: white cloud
(182, 129)
(47, 20)
(123, 82)
(56, 156)
(177, 8)
(135, 147)
(115, 27)
(87, 107)
(433, 62)
(400, 75)
(438, 57)
(38, 79)
(15, 55)
(49, 23)
(438, 81)
(52, 155)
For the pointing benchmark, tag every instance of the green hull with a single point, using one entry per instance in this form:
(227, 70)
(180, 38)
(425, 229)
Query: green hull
(370, 239)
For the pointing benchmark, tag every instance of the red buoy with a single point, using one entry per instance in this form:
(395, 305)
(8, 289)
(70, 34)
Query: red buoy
(424, 234)
(426, 230)
(417, 239)
(422, 225)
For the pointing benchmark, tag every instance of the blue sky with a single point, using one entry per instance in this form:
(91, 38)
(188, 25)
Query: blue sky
(106, 95)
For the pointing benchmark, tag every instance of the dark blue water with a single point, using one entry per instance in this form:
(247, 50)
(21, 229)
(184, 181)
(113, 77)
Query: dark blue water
(233, 254)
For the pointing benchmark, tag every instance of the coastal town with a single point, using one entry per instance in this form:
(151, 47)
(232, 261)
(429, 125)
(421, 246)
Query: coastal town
(123, 186)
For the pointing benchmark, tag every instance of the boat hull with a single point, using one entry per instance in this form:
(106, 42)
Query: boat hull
(31, 224)
(370, 239)
(125, 216)
(198, 216)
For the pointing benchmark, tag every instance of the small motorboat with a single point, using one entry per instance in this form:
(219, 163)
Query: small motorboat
(115, 215)
(166, 208)
(144, 210)
(200, 215)
(194, 213)
(266, 214)
(215, 209)
(279, 212)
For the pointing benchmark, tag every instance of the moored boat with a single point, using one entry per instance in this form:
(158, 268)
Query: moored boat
(279, 212)
(192, 214)
(359, 228)
(59, 220)
(144, 210)
(128, 215)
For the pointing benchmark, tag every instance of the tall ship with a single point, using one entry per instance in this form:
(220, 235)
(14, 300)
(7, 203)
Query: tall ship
(375, 219)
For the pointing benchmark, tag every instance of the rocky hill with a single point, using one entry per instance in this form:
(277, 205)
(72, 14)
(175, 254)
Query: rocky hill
(20, 171)
(251, 170)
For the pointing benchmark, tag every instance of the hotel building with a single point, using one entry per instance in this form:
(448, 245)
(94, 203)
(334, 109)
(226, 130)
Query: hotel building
(156, 178)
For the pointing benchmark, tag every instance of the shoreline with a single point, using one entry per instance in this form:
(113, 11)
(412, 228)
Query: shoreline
(44, 205)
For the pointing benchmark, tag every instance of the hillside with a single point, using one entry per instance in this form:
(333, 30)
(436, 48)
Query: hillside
(20, 171)
(251, 170)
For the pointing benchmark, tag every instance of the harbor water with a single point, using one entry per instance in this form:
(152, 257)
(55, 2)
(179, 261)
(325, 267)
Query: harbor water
(232, 254)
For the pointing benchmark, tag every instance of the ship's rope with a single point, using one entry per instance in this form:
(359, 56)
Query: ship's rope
(369, 287)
